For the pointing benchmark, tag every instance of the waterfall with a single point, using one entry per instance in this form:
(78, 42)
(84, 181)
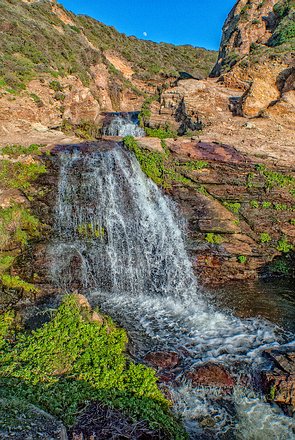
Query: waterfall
(119, 240)
(122, 124)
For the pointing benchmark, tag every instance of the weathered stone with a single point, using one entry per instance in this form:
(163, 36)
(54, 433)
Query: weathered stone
(211, 375)
(163, 359)
(279, 383)
(20, 420)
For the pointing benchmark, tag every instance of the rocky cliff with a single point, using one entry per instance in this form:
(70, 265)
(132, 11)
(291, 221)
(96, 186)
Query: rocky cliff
(257, 55)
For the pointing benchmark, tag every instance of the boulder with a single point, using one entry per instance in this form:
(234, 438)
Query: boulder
(163, 359)
(20, 420)
(211, 375)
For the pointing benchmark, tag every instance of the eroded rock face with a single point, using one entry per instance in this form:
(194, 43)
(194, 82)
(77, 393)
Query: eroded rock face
(279, 383)
(249, 22)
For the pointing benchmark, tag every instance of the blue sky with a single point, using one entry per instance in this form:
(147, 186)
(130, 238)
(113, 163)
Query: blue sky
(196, 22)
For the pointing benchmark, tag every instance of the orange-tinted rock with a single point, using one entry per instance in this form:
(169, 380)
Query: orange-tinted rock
(211, 375)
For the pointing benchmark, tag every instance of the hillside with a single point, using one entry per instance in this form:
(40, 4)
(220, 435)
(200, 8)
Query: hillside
(44, 38)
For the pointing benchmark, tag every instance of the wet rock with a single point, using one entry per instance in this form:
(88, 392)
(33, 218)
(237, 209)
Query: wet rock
(163, 359)
(211, 375)
(20, 420)
(279, 383)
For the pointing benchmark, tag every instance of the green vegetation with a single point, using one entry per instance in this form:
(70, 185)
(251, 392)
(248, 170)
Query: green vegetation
(160, 167)
(145, 112)
(242, 259)
(161, 133)
(213, 238)
(152, 163)
(284, 246)
(254, 204)
(266, 205)
(280, 267)
(35, 42)
(91, 231)
(19, 150)
(76, 358)
(273, 178)
(84, 130)
(265, 237)
(16, 283)
(194, 165)
(19, 175)
(17, 226)
(233, 206)
(285, 31)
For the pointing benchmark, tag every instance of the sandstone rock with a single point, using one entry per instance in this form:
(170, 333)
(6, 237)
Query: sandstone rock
(248, 23)
(262, 92)
(152, 144)
(211, 375)
(279, 383)
(163, 359)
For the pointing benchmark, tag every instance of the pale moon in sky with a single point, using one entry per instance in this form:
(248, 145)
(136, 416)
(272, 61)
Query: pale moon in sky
(145, 34)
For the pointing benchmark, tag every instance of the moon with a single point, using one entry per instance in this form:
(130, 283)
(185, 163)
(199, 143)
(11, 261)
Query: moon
(145, 34)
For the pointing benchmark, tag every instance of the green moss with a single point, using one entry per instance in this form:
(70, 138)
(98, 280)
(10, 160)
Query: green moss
(193, 165)
(91, 231)
(16, 283)
(17, 226)
(72, 360)
(152, 163)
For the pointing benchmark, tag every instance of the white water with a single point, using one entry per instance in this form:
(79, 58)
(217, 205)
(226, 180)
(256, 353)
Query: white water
(138, 271)
(125, 124)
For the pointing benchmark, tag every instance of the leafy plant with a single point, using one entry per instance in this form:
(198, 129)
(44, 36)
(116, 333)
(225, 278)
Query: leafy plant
(284, 246)
(213, 238)
(265, 237)
(242, 259)
(233, 206)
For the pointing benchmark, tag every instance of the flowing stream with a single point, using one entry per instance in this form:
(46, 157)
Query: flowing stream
(121, 242)
(123, 124)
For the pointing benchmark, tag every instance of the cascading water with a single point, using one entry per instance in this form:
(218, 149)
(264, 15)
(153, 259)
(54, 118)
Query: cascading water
(122, 124)
(120, 241)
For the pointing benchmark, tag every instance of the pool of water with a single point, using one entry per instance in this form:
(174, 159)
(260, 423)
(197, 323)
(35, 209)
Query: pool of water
(273, 300)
